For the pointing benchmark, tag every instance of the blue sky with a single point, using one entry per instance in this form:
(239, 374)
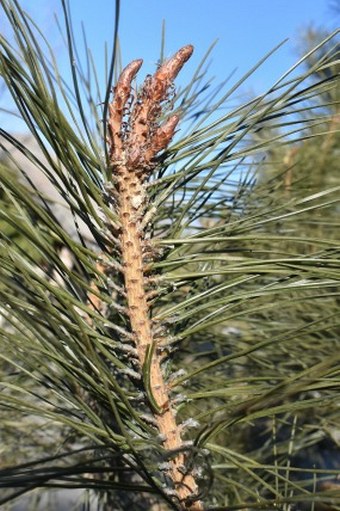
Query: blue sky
(246, 30)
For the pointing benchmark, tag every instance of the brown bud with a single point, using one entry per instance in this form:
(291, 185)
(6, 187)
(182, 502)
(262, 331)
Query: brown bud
(162, 136)
(137, 141)
(123, 87)
(168, 72)
(122, 93)
(173, 66)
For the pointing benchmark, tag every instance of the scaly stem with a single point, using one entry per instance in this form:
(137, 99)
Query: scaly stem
(134, 144)
(136, 289)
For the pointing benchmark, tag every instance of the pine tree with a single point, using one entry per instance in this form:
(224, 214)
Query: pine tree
(186, 357)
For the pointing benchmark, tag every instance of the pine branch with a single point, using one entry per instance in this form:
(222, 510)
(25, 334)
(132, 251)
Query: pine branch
(135, 139)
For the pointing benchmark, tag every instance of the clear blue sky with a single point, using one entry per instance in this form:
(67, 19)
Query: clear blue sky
(245, 29)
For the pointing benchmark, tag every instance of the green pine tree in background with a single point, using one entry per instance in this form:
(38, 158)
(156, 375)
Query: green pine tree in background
(176, 346)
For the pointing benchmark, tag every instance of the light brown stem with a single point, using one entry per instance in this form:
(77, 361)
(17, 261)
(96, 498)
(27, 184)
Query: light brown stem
(131, 199)
(134, 144)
